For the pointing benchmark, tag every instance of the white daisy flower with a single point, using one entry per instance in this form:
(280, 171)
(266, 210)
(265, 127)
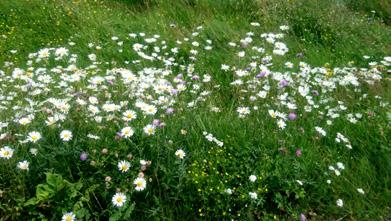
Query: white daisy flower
(339, 203)
(129, 115)
(34, 136)
(360, 191)
(272, 113)
(66, 135)
(119, 199)
(123, 166)
(68, 217)
(253, 195)
(180, 154)
(24, 120)
(34, 151)
(243, 111)
(149, 129)
(127, 132)
(140, 184)
(23, 165)
(281, 124)
(252, 178)
(340, 166)
(320, 131)
(6, 152)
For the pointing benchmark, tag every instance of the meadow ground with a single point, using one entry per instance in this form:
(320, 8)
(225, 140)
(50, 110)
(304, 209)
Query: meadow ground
(195, 110)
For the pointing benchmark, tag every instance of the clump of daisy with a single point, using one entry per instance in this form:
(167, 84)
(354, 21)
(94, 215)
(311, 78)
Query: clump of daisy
(119, 199)
(140, 184)
(180, 154)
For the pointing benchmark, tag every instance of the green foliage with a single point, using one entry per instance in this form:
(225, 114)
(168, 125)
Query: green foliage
(54, 184)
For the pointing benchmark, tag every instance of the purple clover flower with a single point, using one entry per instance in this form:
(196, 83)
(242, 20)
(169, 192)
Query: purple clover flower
(156, 122)
(298, 152)
(179, 76)
(83, 156)
(195, 78)
(261, 74)
(283, 83)
(302, 217)
(292, 116)
(170, 110)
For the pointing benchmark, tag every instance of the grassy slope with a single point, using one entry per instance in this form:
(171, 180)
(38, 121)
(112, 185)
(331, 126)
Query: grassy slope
(333, 32)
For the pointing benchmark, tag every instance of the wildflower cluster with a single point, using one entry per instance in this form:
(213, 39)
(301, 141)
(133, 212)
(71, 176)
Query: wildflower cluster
(103, 124)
